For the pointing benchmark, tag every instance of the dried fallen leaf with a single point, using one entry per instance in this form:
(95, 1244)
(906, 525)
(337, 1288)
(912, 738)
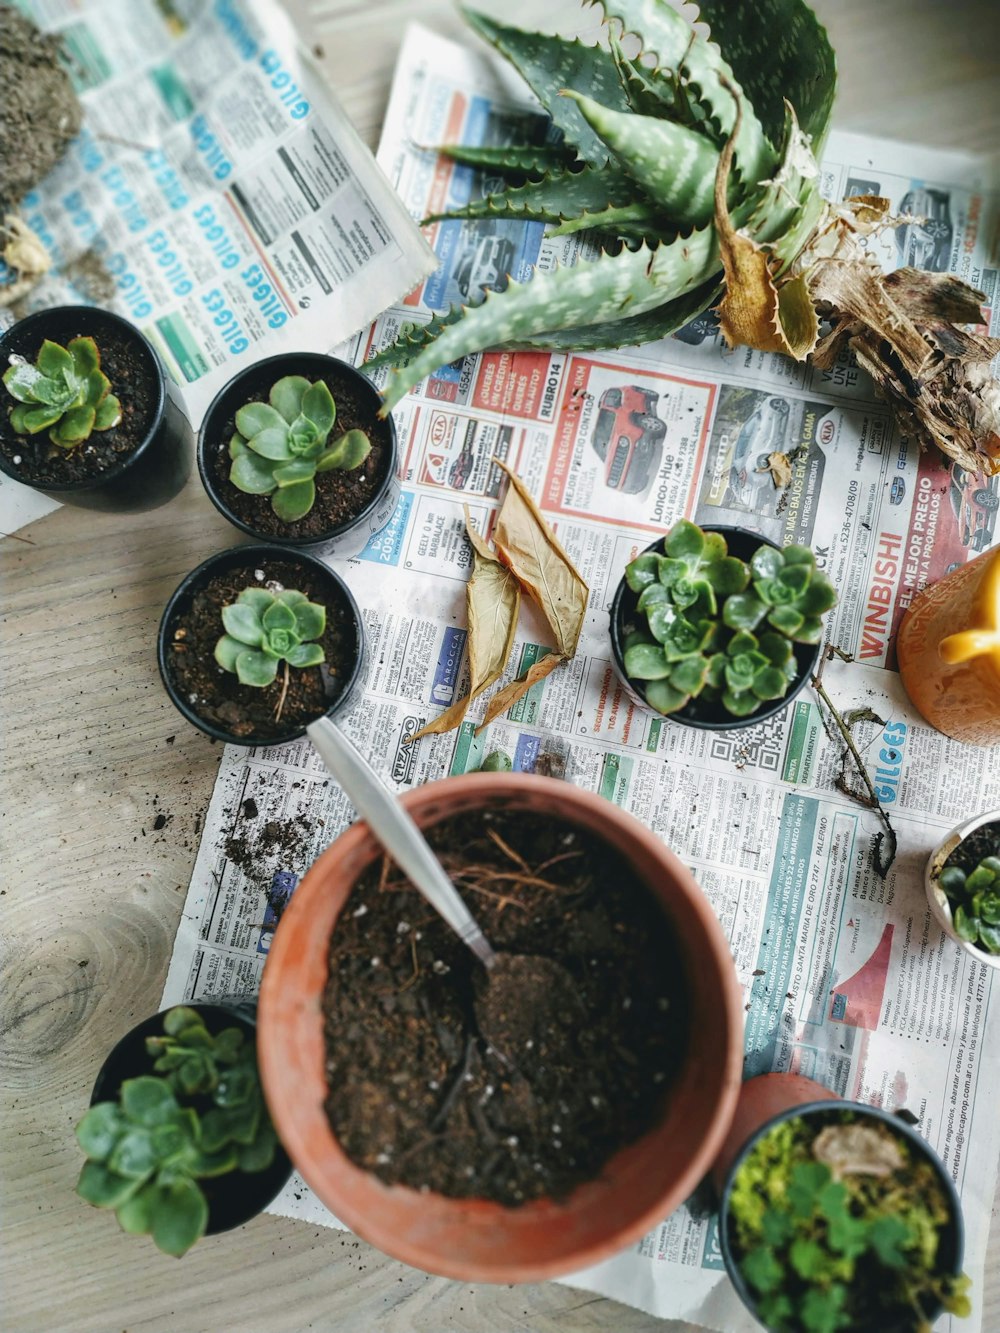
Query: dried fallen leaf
(755, 311)
(857, 1150)
(509, 695)
(780, 469)
(492, 598)
(531, 549)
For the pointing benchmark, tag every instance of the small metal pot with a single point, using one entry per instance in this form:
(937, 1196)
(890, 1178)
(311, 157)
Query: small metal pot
(234, 1198)
(936, 896)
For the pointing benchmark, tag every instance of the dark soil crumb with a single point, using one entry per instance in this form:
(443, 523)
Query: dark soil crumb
(259, 850)
(519, 1084)
(243, 710)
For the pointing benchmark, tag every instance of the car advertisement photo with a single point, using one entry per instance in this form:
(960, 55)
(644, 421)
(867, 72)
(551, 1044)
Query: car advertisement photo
(627, 444)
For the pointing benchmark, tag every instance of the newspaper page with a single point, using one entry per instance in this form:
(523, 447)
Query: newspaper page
(847, 979)
(217, 195)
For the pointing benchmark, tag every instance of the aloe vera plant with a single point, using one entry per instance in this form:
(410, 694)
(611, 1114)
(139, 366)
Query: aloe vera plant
(701, 608)
(693, 163)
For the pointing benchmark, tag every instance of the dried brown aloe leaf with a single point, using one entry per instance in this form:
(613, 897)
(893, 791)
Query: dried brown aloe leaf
(493, 599)
(509, 695)
(755, 311)
(780, 469)
(529, 547)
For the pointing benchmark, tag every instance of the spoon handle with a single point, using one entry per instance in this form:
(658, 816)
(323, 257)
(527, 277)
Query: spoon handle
(397, 832)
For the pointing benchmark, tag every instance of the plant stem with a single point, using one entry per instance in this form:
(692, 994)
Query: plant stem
(882, 863)
(284, 692)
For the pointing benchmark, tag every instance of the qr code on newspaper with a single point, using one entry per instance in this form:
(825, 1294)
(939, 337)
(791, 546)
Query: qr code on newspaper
(756, 747)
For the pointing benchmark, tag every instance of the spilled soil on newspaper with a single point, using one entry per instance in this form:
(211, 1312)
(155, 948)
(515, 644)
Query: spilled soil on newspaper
(520, 1083)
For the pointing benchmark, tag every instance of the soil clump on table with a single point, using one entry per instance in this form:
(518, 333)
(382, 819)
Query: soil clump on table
(245, 710)
(520, 1083)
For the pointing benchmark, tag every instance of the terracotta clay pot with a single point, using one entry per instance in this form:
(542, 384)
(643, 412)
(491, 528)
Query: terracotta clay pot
(948, 649)
(472, 1239)
(761, 1099)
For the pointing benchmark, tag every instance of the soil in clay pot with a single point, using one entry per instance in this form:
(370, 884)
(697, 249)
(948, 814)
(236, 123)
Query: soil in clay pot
(520, 1083)
(340, 495)
(39, 462)
(243, 710)
(981, 842)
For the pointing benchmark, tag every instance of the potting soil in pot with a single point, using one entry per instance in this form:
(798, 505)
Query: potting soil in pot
(42, 463)
(244, 710)
(981, 842)
(522, 1082)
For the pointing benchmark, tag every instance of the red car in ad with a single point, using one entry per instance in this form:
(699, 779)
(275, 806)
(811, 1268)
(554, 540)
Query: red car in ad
(628, 437)
(975, 502)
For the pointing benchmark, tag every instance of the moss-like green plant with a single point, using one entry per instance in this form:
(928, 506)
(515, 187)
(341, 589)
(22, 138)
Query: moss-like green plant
(974, 898)
(700, 613)
(836, 1224)
(64, 392)
(264, 628)
(204, 1116)
(279, 446)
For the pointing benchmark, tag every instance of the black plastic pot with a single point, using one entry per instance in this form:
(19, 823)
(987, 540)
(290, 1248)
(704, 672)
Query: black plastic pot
(254, 384)
(160, 464)
(250, 557)
(952, 1242)
(699, 712)
(232, 1199)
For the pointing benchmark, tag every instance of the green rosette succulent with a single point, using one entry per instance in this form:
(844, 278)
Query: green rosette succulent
(788, 591)
(64, 392)
(204, 1116)
(699, 614)
(279, 446)
(265, 628)
(974, 898)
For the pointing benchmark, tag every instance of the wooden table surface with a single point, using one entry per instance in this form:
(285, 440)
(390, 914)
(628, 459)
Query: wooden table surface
(93, 753)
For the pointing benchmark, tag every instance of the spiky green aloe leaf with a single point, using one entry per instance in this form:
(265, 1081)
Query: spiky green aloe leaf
(674, 166)
(650, 326)
(511, 159)
(637, 221)
(414, 339)
(561, 195)
(668, 36)
(645, 95)
(548, 64)
(778, 50)
(612, 287)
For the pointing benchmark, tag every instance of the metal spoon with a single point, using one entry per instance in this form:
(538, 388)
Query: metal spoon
(397, 832)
